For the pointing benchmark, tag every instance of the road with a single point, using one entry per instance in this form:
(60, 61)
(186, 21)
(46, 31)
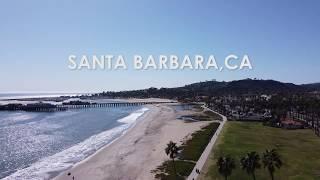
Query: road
(205, 154)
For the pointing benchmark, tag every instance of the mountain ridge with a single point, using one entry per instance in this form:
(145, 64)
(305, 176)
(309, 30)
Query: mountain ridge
(216, 88)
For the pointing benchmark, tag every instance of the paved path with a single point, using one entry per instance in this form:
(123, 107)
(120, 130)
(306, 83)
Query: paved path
(205, 155)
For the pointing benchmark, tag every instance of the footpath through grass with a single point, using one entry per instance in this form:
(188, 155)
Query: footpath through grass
(299, 151)
(204, 116)
(189, 155)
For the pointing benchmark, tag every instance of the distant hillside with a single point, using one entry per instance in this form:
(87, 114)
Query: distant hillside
(246, 86)
(312, 87)
(213, 88)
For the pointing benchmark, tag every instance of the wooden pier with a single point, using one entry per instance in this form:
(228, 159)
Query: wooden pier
(46, 107)
(101, 105)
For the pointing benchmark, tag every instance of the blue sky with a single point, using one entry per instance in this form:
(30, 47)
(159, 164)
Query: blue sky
(36, 38)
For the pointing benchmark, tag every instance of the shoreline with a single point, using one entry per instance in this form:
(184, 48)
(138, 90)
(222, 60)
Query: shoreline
(57, 174)
(42, 169)
(138, 151)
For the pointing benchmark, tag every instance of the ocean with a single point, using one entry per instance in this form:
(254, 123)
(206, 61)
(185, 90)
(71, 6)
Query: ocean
(39, 145)
(33, 95)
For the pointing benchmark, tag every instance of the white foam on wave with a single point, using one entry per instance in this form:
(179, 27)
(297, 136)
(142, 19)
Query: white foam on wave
(16, 118)
(20, 117)
(133, 116)
(66, 159)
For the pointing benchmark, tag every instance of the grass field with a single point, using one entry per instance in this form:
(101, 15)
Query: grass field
(299, 150)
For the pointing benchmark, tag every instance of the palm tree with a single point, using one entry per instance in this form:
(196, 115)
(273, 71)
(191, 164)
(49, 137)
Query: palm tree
(250, 163)
(172, 151)
(225, 166)
(271, 160)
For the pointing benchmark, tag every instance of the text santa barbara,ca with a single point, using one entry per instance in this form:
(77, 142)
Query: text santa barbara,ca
(160, 62)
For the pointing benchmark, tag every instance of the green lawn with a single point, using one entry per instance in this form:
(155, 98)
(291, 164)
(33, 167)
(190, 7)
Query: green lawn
(299, 150)
(189, 155)
(193, 148)
(166, 171)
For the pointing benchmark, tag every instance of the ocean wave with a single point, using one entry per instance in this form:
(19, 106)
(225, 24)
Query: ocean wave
(133, 116)
(64, 160)
(15, 118)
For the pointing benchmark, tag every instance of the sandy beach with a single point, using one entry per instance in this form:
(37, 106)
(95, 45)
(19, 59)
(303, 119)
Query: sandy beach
(139, 151)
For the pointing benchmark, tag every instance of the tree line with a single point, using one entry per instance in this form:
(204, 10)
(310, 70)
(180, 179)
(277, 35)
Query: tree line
(250, 163)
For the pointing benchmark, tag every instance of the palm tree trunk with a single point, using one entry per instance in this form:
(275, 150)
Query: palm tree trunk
(174, 168)
(272, 177)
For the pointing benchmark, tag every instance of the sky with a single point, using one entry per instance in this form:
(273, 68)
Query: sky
(37, 37)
